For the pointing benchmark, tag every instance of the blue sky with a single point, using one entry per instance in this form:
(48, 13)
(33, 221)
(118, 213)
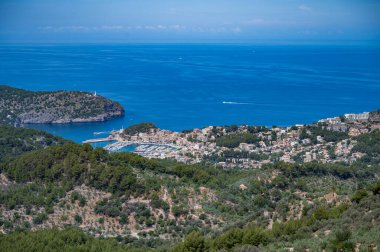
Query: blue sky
(155, 21)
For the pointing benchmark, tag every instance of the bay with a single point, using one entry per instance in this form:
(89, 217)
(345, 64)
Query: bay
(183, 86)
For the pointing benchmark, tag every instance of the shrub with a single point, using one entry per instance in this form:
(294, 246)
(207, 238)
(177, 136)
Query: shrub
(341, 241)
(195, 242)
(123, 219)
(255, 236)
(40, 218)
(359, 195)
(376, 188)
(78, 219)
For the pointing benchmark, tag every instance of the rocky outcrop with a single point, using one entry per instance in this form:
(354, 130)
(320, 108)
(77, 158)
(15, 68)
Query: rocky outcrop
(19, 106)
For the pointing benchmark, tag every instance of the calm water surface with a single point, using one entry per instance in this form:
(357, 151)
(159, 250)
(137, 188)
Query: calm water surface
(186, 86)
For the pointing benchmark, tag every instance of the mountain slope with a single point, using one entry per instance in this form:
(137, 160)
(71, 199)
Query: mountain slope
(156, 204)
(16, 141)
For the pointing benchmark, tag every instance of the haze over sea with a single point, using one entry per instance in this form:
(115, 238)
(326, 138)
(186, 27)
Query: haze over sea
(180, 87)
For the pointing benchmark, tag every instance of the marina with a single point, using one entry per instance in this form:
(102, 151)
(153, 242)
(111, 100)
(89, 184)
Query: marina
(113, 147)
(147, 149)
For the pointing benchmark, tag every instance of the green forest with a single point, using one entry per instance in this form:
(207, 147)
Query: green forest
(15, 141)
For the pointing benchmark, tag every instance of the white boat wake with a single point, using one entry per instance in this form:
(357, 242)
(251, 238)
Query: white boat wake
(100, 133)
(236, 103)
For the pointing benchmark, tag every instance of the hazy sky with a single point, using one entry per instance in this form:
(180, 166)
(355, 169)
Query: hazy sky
(153, 21)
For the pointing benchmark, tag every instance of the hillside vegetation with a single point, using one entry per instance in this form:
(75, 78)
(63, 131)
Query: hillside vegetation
(19, 106)
(15, 141)
(139, 128)
(60, 241)
(154, 204)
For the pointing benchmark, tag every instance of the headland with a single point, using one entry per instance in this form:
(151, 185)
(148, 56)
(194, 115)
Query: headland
(18, 106)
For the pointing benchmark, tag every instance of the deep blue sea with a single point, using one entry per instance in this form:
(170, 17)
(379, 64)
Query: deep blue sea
(184, 86)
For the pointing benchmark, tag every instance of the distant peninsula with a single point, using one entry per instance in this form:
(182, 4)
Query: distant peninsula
(18, 106)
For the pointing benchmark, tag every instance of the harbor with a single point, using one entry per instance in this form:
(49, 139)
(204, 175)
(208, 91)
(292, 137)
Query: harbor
(147, 149)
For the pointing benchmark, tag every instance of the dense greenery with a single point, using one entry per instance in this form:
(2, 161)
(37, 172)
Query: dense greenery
(60, 241)
(15, 141)
(198, 174)
(370, 145)
(257, 129)
(316, 169)
(235, 139)
(72, 163)
(144, 127)
(33, 194)
(312, 132)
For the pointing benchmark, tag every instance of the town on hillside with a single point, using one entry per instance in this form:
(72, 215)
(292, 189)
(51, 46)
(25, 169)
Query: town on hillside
(327, 141)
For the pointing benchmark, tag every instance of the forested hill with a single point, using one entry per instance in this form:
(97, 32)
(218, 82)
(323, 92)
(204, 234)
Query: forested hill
(16, 141)
(19, 106)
